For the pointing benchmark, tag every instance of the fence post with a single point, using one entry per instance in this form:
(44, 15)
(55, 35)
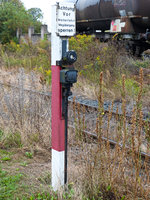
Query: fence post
(43, 31)
(30, 32)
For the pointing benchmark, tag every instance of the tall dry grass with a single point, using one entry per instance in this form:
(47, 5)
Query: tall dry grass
(25, 109)
(113, 172)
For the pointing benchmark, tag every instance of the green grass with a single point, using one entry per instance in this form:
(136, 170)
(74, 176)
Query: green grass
(9, 185)
(10, 140)
(6, 158)
(5, 155)
(24, 164)
(4, 152)
(29, 155)
(12, 188)
(43, 196)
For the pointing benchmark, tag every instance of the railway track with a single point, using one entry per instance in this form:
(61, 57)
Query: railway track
(93, 105)
(112, 143)
(117, 107)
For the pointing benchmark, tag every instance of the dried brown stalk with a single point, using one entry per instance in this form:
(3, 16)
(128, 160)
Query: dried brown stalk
(100, 106)
(83, 118)
(74, 107)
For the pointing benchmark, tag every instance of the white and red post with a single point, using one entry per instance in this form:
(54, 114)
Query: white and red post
(58, 124)
(62, 27)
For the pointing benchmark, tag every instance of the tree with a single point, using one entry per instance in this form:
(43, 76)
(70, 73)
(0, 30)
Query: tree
(13, 15)
(14, 2)
(36, 14)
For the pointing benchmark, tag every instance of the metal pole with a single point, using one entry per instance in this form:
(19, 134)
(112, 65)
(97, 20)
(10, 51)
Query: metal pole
(66, 132)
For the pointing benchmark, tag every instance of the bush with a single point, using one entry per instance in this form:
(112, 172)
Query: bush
(145, 63)
(9, 140)
(28, 56)
(94, 57)
(131, 86)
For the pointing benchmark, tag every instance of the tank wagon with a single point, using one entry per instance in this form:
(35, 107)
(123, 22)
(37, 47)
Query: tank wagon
(126, 19)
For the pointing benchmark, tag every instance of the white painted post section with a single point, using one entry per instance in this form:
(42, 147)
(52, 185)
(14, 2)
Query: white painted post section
(56, 55)
(56, 41)
(57, 169)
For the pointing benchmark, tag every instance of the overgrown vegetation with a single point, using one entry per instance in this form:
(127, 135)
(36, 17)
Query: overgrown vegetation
(111, 58)
(97, 172)
(9, 140)
(94, 57)
(28, 56)
(118, 173)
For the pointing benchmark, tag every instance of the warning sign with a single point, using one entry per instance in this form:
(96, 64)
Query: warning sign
(66, 25)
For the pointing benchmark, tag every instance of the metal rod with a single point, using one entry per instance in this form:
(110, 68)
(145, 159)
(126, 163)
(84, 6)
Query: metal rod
(66, 136)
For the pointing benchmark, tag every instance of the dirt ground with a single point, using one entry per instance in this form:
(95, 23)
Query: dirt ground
(33, 169)
(37, 170)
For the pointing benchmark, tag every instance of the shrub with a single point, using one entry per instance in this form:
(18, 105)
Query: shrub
(28, 56)
(131, 86)
(145, 63)
(9, 140)
(94, 57)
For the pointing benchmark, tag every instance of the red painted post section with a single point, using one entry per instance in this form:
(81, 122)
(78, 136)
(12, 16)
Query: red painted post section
(58, 125)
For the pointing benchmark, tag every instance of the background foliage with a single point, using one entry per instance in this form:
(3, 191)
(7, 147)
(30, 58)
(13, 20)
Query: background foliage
(13, 15)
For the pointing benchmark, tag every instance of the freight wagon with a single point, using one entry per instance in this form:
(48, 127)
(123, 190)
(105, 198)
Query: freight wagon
(128, 20)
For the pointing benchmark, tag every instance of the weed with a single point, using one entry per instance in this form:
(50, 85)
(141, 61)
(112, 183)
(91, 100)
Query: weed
(45, 179)
(94, 56)
(29, 56)
(4, 152)
(42, 196)
(34, 138)
(131, 87)
(123, 197)
(145, 63)
(69, 193)
(6, 158)
(5, 155)
(116, 173)
(29, 154)
(24, 164)
(10, 140)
